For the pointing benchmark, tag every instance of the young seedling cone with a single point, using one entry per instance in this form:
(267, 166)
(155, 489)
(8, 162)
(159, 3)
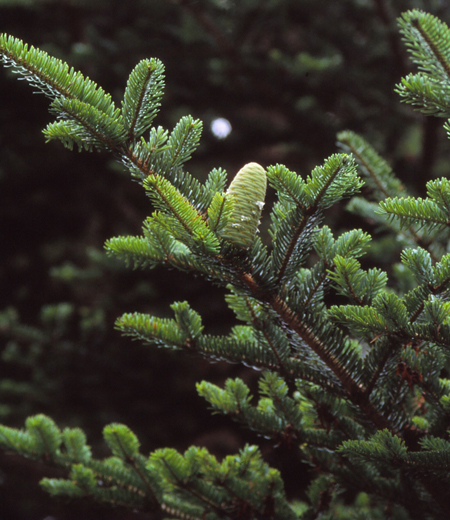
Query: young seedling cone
(248, 192)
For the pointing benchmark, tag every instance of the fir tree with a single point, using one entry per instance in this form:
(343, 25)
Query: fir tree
(360, 387)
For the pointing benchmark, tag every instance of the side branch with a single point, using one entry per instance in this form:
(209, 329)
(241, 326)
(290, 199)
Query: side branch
(131, 134)
(356, 392)
(438, 55)
(302, 226)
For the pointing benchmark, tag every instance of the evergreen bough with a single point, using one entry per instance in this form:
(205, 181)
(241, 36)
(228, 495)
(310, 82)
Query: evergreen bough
(361, 388)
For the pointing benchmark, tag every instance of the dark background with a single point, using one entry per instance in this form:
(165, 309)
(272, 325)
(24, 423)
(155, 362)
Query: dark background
(288, 75)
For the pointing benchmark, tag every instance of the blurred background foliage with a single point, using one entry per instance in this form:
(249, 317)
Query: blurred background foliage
(287, 75)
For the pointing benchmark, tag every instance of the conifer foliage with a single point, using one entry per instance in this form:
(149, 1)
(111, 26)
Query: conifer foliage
(360, 388)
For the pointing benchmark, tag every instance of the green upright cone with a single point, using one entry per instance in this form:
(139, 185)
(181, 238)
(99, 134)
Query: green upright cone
(248, 192)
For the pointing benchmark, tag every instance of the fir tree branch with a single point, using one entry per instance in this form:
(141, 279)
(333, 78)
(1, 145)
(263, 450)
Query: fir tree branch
(380, 367)
(281, 367)
(318, 285)
(101, 130)
(300, 209)
(309, 219)
(380, 175)
(142, 165)
(139, 102)
(287, 320)
(142, 97)
(193, 492)
(131, 460)
(356, 392)
(402, 338)
(373, 166)
(438, 56)
(52, 76)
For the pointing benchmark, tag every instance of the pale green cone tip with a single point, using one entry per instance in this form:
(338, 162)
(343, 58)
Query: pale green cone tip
(248, 190)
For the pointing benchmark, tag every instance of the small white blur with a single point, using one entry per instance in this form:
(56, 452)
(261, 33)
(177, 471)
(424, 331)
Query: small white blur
(221, 128)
